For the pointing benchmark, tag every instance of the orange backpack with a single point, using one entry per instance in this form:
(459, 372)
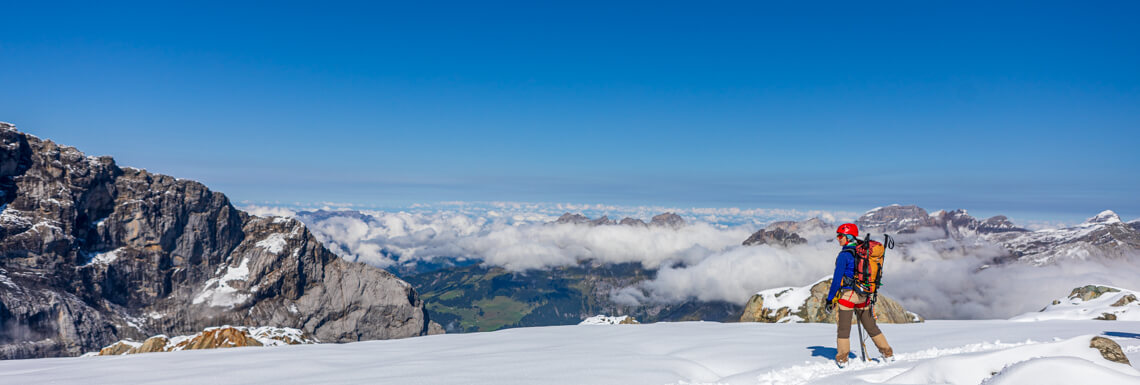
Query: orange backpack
(869, 264)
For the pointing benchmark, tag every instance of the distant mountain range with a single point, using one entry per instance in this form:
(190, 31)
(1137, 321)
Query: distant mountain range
(465, 295)
(1104, 235)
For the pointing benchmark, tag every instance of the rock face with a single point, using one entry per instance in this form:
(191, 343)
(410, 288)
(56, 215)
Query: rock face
(1109, 349)
(805, 304)
(213, 338)
(91, 253)
(777, 237)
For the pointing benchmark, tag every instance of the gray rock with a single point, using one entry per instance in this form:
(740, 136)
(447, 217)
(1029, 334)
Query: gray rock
(1089, 292)
(91, 253)
(1124, 301)
(1109, 349)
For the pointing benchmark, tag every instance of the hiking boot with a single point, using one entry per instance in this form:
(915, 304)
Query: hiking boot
(888, 355)
(884, 348)
(842, 348)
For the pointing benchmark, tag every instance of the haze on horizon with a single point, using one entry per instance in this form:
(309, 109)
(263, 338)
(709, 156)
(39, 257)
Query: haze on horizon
(1031, 112)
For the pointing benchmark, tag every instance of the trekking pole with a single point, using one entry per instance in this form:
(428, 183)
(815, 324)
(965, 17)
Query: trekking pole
(862, 345)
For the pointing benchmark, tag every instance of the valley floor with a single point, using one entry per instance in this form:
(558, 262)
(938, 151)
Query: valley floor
(662, 353)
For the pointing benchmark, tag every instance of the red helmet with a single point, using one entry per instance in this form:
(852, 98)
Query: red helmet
(849, 229)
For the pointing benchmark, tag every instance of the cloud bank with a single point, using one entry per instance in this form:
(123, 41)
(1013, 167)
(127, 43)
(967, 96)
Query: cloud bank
(704, 260)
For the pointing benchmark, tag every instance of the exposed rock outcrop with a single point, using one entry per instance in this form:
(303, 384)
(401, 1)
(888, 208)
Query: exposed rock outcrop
(607, 320)
(1109, 349)
(212, 338)
(805, 304)
(91, 253)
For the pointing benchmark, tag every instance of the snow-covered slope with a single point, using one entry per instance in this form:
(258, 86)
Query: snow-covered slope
(663, 353)
(1090, 302)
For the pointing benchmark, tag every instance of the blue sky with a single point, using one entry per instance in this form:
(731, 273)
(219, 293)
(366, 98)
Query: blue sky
(1029, 109)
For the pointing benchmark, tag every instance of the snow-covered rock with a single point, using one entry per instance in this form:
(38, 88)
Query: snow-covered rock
(1090, 302)
(607, 320)
(213, 338)
(805, 304)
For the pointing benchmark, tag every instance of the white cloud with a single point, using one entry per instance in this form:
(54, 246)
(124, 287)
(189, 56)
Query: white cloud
(935, 277)
(268, 211)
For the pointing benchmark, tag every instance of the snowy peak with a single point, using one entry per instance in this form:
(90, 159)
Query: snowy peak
(957, 224)
(1104, 235)
(1106, 216)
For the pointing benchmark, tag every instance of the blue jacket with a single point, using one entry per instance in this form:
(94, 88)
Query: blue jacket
(844, 267)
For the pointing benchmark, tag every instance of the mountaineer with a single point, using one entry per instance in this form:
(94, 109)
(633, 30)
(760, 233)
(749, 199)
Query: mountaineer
(853, 288)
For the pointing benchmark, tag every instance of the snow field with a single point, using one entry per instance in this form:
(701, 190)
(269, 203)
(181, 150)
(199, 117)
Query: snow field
(657, 354)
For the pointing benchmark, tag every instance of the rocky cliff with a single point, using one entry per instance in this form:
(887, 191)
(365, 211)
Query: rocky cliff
(91, 253)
